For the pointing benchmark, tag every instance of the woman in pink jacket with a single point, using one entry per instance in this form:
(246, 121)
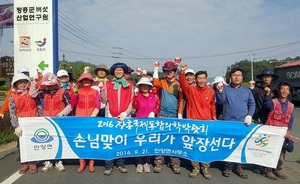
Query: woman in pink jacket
(146, 104)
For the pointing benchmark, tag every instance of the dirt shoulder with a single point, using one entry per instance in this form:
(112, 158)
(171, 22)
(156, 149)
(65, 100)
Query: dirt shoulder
(8, 146)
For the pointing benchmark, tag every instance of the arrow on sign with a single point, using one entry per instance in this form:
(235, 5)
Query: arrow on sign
(42, 65)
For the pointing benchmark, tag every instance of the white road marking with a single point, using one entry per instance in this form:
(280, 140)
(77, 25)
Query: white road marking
(12, 178)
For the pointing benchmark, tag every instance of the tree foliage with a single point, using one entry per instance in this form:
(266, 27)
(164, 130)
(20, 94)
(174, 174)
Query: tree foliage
(258, 67)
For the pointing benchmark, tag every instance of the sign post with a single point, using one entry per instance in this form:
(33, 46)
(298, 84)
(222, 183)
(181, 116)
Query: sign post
(35, 35)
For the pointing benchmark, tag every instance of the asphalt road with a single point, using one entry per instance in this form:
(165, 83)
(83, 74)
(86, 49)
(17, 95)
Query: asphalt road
(9, 166)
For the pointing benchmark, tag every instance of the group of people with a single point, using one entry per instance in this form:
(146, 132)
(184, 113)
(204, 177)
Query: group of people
(185, 96)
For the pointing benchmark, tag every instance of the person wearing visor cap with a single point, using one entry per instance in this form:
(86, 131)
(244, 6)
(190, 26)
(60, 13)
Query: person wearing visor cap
(117, 94)
(171, 105)
(281, 114)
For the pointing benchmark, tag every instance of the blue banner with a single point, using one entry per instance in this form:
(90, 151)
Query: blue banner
(106, 138)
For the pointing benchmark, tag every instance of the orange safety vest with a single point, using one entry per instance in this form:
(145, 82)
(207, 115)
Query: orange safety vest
(86, 101)
(118, 102)
(277, 118)
(25, 105)
(54, 105)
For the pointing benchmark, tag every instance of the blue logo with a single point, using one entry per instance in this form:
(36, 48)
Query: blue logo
(41, 136)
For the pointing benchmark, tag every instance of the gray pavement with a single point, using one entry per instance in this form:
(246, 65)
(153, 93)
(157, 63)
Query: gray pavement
(9, 165)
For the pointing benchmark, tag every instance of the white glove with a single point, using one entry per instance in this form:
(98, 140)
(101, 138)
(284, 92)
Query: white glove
(179, 116)
(18, 131)
(151, 115)
(155, 71)
(248, 120)
(122, 116)
(1, 116)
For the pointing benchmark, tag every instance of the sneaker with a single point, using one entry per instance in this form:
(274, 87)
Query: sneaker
(280, 174)
(108, 172)
(241, 172)
(47, 167)
(32, 169)
(176, 169)
(59, 166)
(139, 168)
(147, 168)
(157, 168)
(23, 169)
(206, 174)
(122, 169)
(227, 172)
(194, 172)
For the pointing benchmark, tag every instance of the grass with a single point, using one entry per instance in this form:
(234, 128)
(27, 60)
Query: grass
(6, 131)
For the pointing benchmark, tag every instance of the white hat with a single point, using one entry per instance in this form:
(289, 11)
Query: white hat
(219, 79)
(144, 80)
(19, 76)
(189, 71)
(23, 69)
(61, 73)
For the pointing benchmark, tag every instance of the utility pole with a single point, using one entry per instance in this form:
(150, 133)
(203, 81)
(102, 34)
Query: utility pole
(117, 54)
(251, 61)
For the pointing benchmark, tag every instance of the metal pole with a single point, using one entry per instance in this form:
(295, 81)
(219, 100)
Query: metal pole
(251, 60)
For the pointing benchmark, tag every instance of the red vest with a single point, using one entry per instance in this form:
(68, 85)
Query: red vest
(118, 100)
(86, 101)
(53, 105)
(146, 105)
(277, 118)
(25, 105)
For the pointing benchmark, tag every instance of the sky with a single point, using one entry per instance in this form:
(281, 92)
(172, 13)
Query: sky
(207, 34)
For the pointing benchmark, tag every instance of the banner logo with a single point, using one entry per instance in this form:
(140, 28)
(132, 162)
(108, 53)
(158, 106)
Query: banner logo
(41, 136)
(262, 140)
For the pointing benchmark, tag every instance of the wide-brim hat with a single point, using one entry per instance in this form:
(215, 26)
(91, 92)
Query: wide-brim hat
(20, 76)
(85, 76)
(267, 72)
(101, 67)
(218, 79)
(144, 80)
(118, 65)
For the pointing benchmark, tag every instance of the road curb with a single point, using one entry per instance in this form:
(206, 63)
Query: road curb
(8, 146)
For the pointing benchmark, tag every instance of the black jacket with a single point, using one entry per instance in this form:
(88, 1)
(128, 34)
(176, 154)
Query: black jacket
(261, 114)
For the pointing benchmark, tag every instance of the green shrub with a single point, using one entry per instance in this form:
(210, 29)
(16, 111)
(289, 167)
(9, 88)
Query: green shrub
(6, 130)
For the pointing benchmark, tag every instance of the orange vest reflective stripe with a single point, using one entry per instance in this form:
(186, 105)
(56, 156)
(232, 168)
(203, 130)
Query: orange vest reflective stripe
(277, 118)
(86, 101)
(53, 105)
(25, 105)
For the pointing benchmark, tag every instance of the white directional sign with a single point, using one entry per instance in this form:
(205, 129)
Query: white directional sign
(35, 35)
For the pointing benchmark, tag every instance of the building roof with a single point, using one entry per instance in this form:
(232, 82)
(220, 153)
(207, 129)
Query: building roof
(290, 64)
